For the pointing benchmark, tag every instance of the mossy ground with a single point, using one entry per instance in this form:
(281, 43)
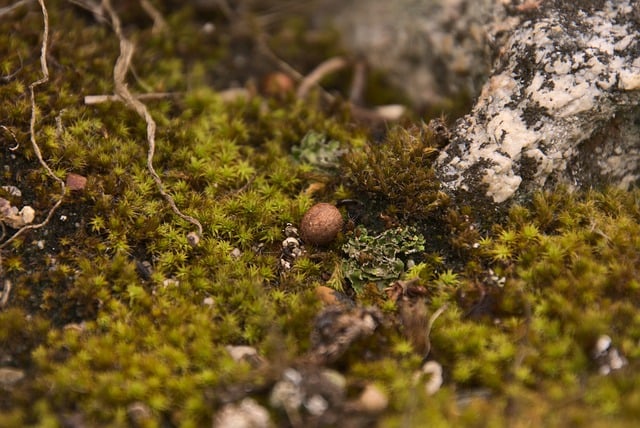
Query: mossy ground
(111, 305)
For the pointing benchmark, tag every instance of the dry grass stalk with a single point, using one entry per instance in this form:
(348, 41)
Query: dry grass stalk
(122, 66)
(32, 129)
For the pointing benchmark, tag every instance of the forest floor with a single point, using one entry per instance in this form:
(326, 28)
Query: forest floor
(156, 165)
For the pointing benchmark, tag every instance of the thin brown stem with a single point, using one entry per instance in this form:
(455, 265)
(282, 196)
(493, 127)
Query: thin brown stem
(159, 24)
(122, 66)
(32, 129)
(432, 320)
(321, 71)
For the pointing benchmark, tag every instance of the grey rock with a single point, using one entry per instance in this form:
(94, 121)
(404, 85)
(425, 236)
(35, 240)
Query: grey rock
(246, 414)
(560, 106)
(310, 395)
(557, 85)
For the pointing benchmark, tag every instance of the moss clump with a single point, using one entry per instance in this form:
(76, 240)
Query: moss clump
(560, 278)
(397, 175)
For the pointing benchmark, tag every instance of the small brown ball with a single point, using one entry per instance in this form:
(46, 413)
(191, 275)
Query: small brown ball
(277, 84)
(321, 224)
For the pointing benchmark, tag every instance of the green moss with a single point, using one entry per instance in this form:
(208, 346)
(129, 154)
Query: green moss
(111, 305)
(397, 176)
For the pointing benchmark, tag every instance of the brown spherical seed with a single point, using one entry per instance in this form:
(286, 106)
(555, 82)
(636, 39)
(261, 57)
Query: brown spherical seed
(277, 84)
(321, 224)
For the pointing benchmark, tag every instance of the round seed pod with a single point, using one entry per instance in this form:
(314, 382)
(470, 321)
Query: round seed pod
(321, 224)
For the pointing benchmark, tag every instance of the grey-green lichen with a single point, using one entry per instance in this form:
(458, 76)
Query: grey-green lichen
(315, 149)
(380, 258)
(112, 309)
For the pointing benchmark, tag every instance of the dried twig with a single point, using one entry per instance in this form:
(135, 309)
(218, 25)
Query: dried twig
(9, 77)
(284, 66)
(432, 320)
(234, 94)
(44, 79)
(224, 7)
(305, 82)
(92, 6)
(121, 89)
(8, 9)
(358, 83)
(32, 128)
(325, 68)
(14, 148)
(159, 24)
(6, 290)
(227, 95)
(98, 99)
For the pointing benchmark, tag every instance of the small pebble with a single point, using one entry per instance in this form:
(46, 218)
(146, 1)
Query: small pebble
(372, 400)
(247, 414)
(10, 376)
(27, 214)
(316, 405)
(241, 352)
(602, 345)
(335, 378)
(208, 28)
(12, 191)
(193, 239)
(76, 181)
(287, 393)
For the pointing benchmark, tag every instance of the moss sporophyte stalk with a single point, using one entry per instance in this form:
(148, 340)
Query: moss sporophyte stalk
(111, 314)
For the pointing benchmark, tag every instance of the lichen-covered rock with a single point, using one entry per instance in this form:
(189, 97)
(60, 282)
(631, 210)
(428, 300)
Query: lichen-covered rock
(557, 84)
(561, 104)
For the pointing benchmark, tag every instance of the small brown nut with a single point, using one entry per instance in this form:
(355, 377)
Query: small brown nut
(277, 84)
(321, 224)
